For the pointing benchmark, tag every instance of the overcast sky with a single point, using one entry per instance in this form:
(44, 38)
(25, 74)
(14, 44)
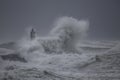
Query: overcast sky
(16, 15)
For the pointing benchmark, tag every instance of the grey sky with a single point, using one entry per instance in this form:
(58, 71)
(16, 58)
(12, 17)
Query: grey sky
(16, 15)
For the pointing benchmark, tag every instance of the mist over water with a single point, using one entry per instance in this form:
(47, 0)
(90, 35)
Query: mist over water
(63, 53)
(82, 43)
(66, 34)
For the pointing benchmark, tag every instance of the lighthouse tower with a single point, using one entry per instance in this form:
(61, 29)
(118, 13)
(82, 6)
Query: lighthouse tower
(32, 34)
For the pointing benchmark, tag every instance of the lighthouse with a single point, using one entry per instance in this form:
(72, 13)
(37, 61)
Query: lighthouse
(32, 34)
